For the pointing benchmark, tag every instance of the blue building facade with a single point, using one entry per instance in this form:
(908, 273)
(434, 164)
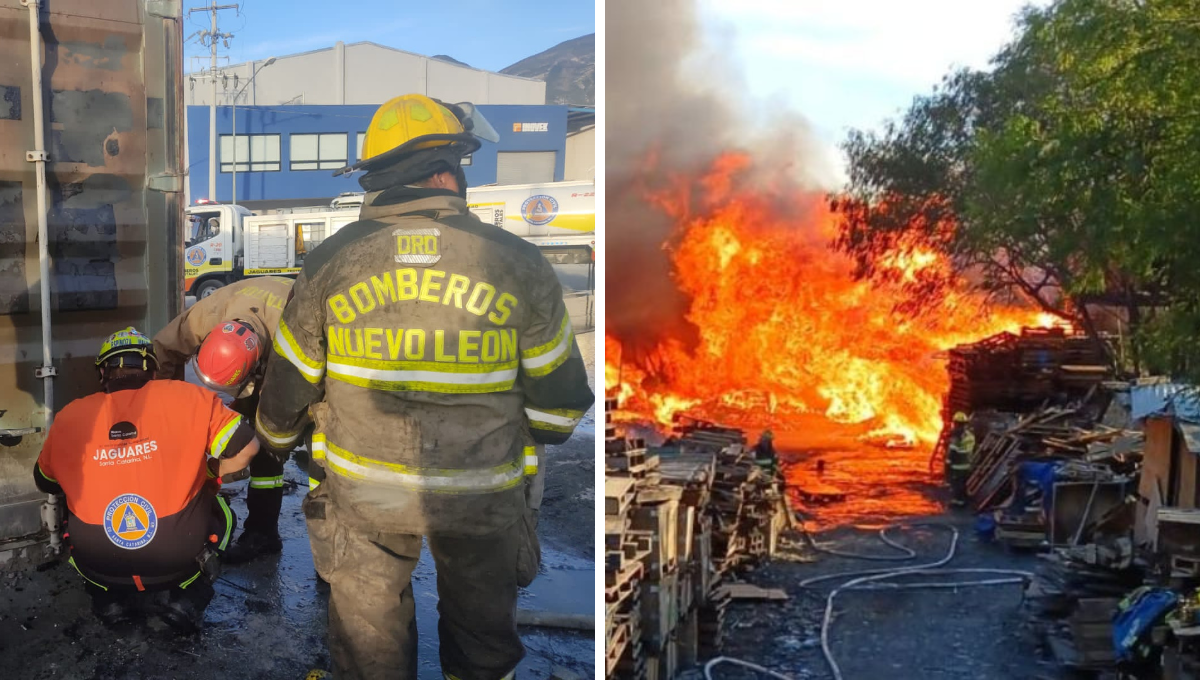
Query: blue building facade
(291, 152)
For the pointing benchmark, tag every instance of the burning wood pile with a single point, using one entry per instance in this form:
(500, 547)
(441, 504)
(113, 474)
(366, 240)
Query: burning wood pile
(678, 521)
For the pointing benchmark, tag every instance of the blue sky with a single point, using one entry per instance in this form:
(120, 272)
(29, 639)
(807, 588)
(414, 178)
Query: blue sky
(852, 63)
(483, 33)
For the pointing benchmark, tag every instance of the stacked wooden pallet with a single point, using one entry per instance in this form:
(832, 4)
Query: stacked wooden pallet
(746, 512)
(687, 515)
(1020, 373)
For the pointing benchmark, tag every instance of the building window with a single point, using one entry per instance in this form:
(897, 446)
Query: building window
(313, 233)
(362, 136)
(525, 167)
(318, 152)
(255, 153)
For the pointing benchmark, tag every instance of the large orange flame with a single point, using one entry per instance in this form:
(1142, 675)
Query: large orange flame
(785, 331)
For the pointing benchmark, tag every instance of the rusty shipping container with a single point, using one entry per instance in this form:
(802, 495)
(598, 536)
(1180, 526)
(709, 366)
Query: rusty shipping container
(100, 81)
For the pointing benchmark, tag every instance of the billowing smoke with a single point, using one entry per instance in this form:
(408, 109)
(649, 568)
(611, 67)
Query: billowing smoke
(672, 107)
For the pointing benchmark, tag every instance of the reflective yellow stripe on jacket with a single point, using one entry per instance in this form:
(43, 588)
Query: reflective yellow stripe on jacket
(217, 446)
(437, 480)
(277, 440)
(317, 451)
(286, 346)
(424, 376)
(531, 461)
(553, 419)
(543, 359)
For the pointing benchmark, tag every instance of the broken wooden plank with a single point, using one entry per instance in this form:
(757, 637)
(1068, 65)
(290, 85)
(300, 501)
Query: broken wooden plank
(747, 591)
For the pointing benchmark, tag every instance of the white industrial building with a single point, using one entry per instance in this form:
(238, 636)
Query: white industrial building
(361, 73)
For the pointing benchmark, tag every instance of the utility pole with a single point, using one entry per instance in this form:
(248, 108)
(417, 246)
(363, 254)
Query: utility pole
(213, 36)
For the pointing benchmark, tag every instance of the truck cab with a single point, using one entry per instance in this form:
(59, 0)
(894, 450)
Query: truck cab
(213, 243)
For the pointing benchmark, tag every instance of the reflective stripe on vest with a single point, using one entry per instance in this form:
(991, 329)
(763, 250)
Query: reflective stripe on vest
(217, 446)
(424, 376)
(228, 522)
(437, 480)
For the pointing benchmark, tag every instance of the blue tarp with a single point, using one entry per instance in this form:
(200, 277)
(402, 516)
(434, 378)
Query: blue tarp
(1041, 474)
(1132, 622)
(1165, 399)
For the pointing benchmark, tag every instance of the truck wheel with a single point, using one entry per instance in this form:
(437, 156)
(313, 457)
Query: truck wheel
(208, 287)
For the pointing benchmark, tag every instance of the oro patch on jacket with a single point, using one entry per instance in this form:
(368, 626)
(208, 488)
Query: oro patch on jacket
(418, 246)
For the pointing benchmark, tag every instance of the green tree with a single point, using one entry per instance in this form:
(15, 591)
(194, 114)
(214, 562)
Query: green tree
(1068, 174)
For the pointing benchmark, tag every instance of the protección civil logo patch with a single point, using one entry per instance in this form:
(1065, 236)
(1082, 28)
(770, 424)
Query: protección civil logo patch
(130, 521)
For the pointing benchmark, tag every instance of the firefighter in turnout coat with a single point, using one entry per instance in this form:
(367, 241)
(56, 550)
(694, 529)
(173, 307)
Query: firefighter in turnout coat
(227, 336)
(433, 354)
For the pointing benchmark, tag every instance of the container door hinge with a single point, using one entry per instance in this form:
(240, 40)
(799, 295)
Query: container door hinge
(45, 372)
(164, 9)
(37, 155)
(168, 183)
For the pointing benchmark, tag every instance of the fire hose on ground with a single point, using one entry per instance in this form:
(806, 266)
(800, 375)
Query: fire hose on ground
(867, 580)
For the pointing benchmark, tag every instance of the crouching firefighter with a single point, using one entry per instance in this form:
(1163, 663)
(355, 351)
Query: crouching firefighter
(139, 464)
(960, 457)
(227, 337)
(434, 353)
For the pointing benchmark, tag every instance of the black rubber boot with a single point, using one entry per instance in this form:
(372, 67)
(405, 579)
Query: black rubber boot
(113, 610)
(183, 608)
(251, 545)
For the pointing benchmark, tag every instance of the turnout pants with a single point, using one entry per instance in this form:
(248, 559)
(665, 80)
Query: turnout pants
(372, 615)
(958, 485)
(264, 498)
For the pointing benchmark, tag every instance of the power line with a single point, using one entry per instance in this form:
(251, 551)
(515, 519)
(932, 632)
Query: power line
(212, 36)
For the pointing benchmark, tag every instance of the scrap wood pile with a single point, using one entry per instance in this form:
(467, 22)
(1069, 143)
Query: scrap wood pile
(748, 508)
(677, 521)
(1075, 599)
(1058, 479)
(1069, 436)
(1055, 468)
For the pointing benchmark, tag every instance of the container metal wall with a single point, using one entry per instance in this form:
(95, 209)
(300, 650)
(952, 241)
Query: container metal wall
(114, 134)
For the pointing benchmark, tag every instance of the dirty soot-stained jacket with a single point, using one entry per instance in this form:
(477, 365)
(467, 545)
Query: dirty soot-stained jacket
(430, 349)
(258, 301)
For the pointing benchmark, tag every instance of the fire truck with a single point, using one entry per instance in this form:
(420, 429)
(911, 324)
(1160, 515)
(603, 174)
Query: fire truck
(228, 243)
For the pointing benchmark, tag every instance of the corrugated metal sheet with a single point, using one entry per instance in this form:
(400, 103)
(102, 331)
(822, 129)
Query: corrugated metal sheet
(1165, 398)
(114, 114)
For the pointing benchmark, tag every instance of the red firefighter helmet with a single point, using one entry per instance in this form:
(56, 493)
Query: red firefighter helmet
(228, 357)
